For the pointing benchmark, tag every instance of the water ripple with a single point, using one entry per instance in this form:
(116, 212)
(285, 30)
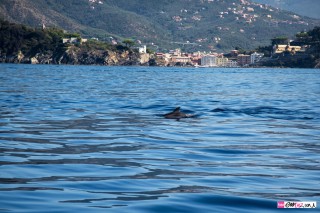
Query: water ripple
(94, 139)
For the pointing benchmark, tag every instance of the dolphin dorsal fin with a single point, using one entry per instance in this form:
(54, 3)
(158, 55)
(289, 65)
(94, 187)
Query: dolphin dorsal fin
(176, 109)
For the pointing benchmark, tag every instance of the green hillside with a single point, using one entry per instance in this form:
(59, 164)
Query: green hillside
(22, 44)
(188, 24)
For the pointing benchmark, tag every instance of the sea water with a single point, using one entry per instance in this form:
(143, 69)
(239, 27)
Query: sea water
(93, 139)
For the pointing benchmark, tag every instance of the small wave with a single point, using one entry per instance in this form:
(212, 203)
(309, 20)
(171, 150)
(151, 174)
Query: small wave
(268, 112)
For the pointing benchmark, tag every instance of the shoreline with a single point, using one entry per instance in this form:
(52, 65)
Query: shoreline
(190, 67)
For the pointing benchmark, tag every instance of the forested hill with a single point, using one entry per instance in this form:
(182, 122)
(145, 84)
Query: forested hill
(165, 24)
(22, 44)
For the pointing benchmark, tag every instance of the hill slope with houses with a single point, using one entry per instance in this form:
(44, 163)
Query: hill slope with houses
(309, 8)
(191, 25)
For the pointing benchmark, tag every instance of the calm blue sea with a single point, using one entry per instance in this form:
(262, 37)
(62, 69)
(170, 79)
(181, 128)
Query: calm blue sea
(93, 139)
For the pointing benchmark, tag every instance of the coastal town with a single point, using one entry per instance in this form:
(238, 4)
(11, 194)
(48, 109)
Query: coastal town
(211, 59)
(234, 58)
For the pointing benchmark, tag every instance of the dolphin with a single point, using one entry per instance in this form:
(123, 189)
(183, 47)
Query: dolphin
(176, 114)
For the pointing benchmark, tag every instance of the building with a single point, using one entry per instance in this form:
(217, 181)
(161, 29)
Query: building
(277, 49)
(234, 53)
(250, 9)
(232, 63)
(256, 57)
(222, 61)
(180, 59)
(160, 55)
(176, 52)
(243, 59)
(209, 61)
(143, 49)
(74, 40)
(196, 59)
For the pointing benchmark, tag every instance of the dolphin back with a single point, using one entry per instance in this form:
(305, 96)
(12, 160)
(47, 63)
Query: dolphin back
(176, 114)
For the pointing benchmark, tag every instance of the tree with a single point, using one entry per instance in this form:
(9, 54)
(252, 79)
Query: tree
(279, 40)
(150, 51)
(315, 34)
(302, 35)
(128, 42)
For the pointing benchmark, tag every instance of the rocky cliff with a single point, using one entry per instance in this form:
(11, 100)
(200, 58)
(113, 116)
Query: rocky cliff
(77, 56)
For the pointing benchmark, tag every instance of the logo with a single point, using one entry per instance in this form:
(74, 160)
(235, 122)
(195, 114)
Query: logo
(296, 205)
(280, 204)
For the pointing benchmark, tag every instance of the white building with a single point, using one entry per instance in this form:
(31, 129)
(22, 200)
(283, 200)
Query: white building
(256, 57)
(74, 40)
(232, 63)
(209, 61)
(143, 49)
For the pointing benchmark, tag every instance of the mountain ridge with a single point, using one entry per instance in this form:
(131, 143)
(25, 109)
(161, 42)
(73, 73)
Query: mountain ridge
(188, 24)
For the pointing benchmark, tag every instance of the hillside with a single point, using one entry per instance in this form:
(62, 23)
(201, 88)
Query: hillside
(188, 24)
(22, 44)
(309, 8)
